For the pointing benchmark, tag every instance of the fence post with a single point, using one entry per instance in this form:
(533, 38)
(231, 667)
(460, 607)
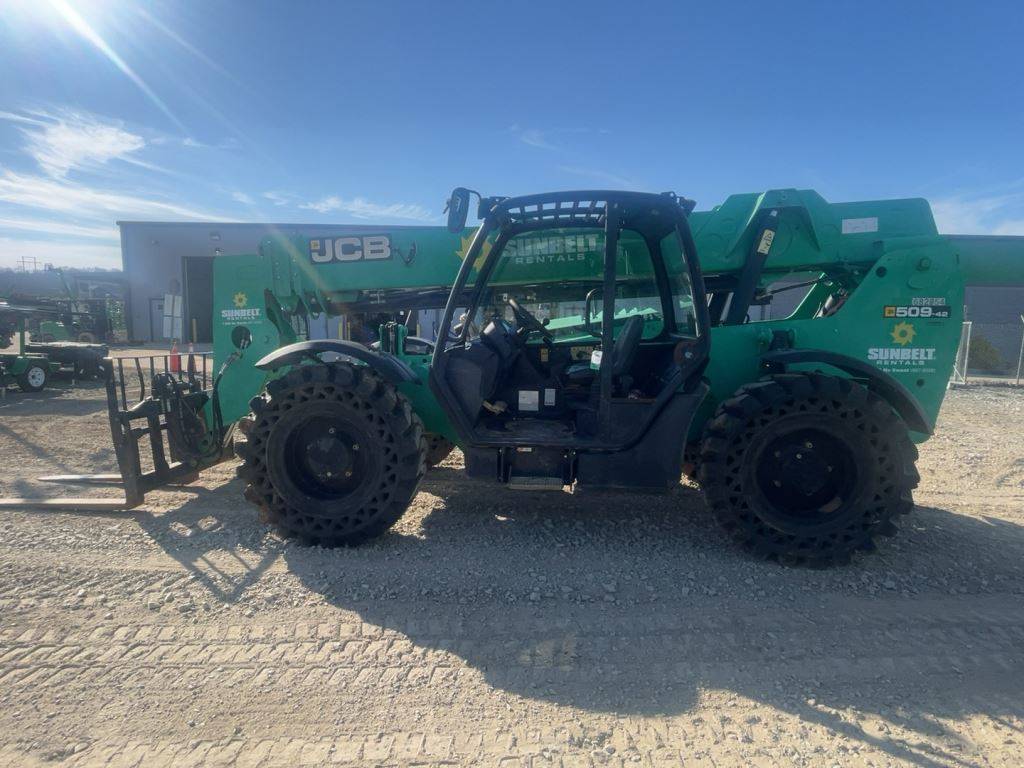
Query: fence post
(1020, 357)
(963, 354)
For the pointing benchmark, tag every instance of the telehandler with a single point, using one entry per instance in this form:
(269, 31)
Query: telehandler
(589, 340)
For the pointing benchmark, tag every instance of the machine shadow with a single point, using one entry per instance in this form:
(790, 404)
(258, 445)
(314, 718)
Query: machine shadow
(212, 536)
(639, 650)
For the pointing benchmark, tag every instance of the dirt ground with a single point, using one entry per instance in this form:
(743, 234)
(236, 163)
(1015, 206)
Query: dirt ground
(499, 628)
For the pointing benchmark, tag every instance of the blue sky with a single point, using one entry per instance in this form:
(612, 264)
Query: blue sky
(370, 112)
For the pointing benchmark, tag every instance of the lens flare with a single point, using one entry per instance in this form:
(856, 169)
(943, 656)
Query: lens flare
(75, 20)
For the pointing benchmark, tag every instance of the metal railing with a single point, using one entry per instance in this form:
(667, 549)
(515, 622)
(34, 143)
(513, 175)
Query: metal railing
(190, 367)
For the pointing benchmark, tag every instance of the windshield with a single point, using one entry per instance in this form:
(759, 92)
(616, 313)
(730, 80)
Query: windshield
(551, 273)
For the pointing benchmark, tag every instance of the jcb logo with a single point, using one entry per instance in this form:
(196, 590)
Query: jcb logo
(365, 248)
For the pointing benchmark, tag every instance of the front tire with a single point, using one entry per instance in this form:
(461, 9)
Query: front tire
(332, 454)
(807, 469)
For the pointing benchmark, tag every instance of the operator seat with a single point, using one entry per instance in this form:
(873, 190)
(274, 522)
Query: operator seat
(623, 354)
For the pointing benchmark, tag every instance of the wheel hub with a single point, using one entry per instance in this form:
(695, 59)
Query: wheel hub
(327, 458)
(803, 467)
(806, 474)
(329, 455)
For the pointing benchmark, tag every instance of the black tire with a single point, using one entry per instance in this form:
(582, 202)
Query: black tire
(438, 449)
(332, 454)
(807, 468)
(34, 378)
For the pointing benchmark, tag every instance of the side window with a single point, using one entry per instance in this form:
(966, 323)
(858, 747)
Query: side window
(681, 285)
(636, 292)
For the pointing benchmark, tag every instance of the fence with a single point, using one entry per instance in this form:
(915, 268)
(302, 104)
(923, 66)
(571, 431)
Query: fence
(989, 353)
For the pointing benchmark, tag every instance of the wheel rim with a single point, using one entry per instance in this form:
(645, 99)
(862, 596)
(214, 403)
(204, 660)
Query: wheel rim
(36, 376)
(327, 458)
(805, 477)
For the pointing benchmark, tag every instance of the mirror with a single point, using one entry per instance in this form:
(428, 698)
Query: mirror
(457, 209)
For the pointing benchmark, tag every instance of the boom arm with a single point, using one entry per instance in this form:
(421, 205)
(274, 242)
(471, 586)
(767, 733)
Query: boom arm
(990, 259)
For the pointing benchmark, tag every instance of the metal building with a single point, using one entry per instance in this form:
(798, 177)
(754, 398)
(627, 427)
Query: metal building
(168, 268)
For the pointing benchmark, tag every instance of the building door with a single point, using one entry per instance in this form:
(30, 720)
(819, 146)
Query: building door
(156, 319)
(198, 299)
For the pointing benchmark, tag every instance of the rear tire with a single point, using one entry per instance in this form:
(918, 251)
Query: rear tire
(438, 449)
(807, 469)
(34, 378)
(332, 454)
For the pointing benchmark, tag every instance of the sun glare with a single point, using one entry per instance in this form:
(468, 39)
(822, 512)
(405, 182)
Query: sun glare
(84, 19)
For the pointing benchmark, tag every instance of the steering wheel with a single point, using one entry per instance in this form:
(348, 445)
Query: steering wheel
(528, 321)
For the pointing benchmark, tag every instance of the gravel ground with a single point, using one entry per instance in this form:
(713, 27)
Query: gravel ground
(499, 628)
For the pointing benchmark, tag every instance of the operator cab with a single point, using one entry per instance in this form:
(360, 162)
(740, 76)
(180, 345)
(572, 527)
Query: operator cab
(577, 323)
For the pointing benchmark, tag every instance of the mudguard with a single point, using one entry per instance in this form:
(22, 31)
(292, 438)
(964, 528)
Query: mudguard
(878, 381)
(390, 367)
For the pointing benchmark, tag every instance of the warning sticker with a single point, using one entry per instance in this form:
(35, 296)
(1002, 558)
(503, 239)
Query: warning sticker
(529, 400)
(856, 226)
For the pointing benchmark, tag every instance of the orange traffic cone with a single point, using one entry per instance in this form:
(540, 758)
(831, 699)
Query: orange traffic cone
(175, 362)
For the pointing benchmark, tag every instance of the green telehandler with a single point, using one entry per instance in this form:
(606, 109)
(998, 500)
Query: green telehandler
(589, 340)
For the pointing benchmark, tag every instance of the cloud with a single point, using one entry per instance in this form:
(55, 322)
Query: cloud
(364, 209)
(59, 254)
(611, 179)
(65, 141)
(242, 198)
(60, 228)
(535, 138)
(980, 214)
(83, 201)
(277, 198)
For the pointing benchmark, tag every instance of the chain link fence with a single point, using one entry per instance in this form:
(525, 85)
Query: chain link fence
(990, 353)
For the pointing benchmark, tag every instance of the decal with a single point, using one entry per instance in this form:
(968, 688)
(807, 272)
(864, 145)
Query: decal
(766, 242)
(348, 249)
(903, 358)
(241, 313)
(232, 316)
(465, 243)
(529, 400)
(857, 226)
(903, 333)
(923, 311)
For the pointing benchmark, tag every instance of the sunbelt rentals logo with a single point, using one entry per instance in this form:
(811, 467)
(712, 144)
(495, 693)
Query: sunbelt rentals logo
(902, 356)
(241, 313)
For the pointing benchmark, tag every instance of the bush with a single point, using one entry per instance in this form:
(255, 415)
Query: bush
(985, 358)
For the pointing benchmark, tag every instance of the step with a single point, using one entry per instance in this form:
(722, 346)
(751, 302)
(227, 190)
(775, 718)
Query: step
(530, 483)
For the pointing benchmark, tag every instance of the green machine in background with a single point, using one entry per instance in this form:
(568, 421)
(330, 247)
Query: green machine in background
(30, 371)
(589, 340)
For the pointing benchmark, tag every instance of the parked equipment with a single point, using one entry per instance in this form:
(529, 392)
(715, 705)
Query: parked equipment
(589, 340)
(31, 371)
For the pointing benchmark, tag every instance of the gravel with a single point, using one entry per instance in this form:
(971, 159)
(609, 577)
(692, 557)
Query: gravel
(544, 628)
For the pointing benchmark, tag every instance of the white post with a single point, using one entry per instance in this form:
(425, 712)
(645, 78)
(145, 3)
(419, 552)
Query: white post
(1020, 357)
